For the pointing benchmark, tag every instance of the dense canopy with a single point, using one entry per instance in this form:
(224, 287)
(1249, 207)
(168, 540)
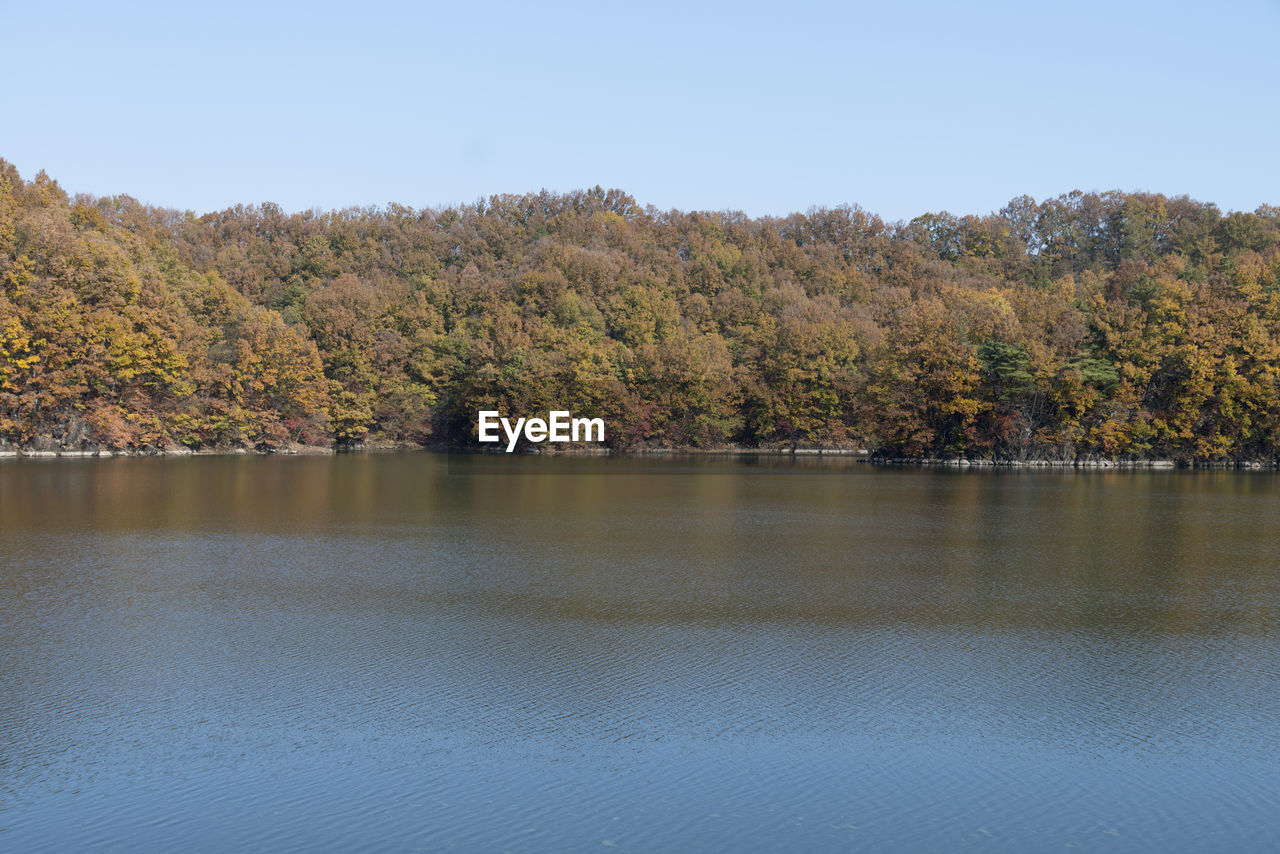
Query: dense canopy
(1123, 325)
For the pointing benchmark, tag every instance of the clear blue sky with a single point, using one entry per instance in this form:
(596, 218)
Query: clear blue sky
(765, 108)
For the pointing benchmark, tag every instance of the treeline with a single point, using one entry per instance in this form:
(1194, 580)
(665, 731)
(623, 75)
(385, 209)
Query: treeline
(1114, 324)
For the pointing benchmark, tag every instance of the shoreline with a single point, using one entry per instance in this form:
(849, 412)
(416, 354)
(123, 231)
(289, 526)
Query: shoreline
(859, 455)
(11, 452)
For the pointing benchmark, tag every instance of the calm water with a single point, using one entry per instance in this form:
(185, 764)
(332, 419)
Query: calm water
(405, 653)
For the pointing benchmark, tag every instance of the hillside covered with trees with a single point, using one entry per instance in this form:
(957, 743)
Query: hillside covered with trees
(1115, 325)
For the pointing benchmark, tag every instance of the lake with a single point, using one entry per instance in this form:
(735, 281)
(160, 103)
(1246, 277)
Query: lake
(414, 652)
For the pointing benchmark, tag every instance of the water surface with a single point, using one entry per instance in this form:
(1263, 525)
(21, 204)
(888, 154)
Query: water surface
(407, 653)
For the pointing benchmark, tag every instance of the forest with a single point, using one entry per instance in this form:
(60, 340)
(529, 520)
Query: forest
(1111, 325)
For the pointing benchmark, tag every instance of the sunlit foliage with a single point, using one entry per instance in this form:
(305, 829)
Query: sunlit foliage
(1122, 325)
